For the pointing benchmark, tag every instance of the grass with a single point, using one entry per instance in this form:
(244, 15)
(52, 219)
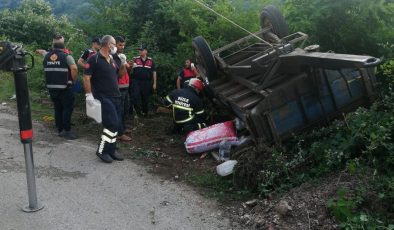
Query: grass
(141, 154)
(221, 188)
(39, 110)
(7, 88)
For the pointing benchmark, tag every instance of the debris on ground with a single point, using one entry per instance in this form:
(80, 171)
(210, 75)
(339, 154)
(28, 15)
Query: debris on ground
(251, 203)
(283, 208)
(209, 138)
(48, 118)
(226, 168)
(166, 156)
(303, 207)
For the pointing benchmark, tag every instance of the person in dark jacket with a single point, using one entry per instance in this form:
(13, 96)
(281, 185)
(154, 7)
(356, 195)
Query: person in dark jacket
(101, 82)
(188, 108)
(89, 52)
(144, 81)
(60, 73)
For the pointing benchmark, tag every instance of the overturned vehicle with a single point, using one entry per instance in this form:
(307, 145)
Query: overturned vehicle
(276, 87)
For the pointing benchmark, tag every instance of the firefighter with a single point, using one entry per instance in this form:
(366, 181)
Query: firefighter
(101, 82)
(187, 73)
(60, 72)
(123, 83)
(144, 81)
(89, 52)
(187, 107)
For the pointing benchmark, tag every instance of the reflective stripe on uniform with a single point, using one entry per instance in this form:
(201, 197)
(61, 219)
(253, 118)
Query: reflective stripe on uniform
(191, 117)
(107, 139)
(56, 69)
(101, 146)
(169, 99)
(200, 112)
(56, 86)
(109, 133)
(186, 120)
(182, 107)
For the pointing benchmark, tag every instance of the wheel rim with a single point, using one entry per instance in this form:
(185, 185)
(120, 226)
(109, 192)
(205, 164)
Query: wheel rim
(266, 23)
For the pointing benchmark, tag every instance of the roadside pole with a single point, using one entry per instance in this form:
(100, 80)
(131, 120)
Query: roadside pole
(14, 57)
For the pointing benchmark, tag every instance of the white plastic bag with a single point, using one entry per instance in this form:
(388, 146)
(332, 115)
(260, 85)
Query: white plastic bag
(226, 168)
(93, 110)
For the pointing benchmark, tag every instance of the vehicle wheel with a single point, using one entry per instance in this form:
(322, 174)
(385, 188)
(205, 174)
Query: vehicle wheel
(271, 17)
(205, 61)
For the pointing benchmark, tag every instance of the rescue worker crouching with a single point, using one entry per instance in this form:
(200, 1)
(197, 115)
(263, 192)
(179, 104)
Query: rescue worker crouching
(188, 108)
(101, 82)
(60, 73)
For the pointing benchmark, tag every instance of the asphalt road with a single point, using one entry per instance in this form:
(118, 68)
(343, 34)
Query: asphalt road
(80, 192)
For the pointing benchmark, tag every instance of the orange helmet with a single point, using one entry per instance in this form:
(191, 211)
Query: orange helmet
(196, 84)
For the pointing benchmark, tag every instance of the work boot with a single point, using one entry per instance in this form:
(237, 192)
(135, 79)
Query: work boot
(60, 133)
(105, 157)
(69, 135)
(117, 156)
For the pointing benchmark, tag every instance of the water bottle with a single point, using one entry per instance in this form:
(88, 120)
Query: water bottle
(93, 110)
(224, 150)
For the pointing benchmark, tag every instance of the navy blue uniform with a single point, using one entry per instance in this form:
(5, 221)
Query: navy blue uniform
(87, 54)
(104, 82)
(188, 110)
(58, 81)
(142, 83)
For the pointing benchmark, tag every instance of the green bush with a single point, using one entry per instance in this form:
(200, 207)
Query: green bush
(33, 23)
(351, 26)
(343, 208)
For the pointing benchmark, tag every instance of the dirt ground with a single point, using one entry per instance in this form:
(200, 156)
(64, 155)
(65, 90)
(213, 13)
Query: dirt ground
(164, 154)
(303, 207)
(78, 191)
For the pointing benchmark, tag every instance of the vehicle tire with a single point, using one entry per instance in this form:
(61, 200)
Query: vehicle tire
(271, 16)
(205, 61)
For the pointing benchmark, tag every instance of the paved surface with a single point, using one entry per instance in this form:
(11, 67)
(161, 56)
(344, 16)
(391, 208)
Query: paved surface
(80, 192)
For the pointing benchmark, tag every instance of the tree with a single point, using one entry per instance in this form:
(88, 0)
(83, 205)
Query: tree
(352, 26)
(33, 23)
